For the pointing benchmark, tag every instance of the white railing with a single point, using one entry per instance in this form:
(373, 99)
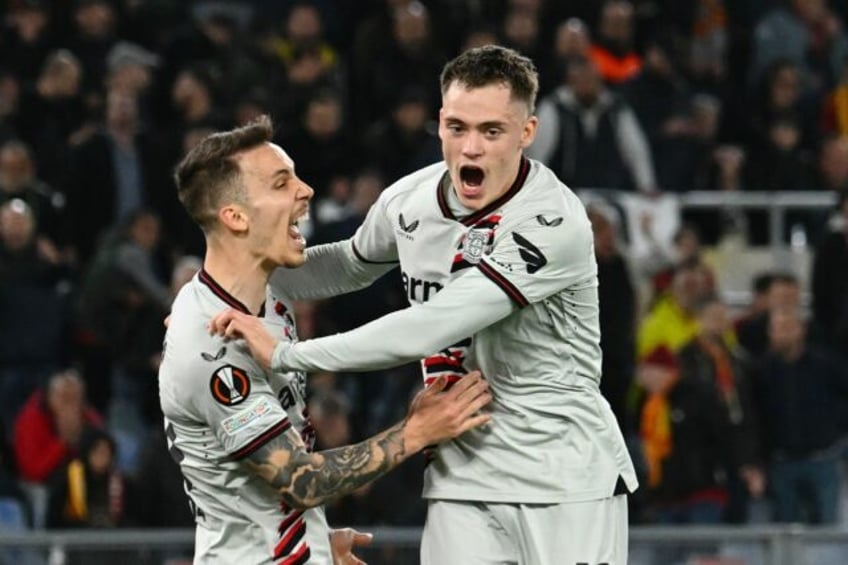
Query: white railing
(749, 545)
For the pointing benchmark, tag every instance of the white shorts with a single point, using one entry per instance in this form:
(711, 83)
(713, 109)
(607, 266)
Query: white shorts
(573, 533)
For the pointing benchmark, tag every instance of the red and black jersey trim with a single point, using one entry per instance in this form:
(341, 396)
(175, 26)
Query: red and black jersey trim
(219, 291)
(289, 540)
(471, 219)
(503, 283)
(261, 439)
(287, 522)
(369, 261)
(299, 558)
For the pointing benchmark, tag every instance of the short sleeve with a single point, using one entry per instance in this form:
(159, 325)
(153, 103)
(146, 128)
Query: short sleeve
(237, 403)
(374, 241)
(541, 255)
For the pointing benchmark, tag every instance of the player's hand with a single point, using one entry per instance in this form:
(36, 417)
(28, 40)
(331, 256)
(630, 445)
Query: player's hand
(342, 542)
(436, 415)
(233, 324)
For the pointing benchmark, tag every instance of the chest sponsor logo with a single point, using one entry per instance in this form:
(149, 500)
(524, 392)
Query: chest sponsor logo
(419, 290)
(229, 385)
(245, 417)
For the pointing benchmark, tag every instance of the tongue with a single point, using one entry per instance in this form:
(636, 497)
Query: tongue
(294, 232)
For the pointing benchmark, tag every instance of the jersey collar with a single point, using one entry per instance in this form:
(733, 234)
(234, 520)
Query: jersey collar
(471, 219)
(231, 300)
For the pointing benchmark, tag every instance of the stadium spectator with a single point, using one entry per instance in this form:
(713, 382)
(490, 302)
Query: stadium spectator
(807, 33)
(88, 492)
(784, 292)
(571, 41)
(50, 426)
(406, 140)
(671, 322)
(321, 145)
(758, 303)
(33, 300)
(130, 175)
(660, 97)
(303, 65)
(27, 38)
(410, 54)
(590, 136)
(19, 179)
(51, 113)
(612, 50)
(799, 390)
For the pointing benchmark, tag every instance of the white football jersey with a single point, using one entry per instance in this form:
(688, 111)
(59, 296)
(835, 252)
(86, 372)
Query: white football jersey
(553, 437)
(219, 407)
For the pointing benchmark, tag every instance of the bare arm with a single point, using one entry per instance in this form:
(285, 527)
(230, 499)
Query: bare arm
(306, 479)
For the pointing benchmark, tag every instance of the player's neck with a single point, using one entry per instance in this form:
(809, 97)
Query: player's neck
(238, 273)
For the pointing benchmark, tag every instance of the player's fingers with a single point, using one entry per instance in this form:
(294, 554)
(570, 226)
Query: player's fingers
(473, 422)
(467, 382)
(437, 386)
(471, 388)
(476, 404)
(232, 329)
(360, 538)
(219, 323)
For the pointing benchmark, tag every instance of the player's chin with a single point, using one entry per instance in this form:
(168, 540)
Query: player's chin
(472, 201)
(295, 259)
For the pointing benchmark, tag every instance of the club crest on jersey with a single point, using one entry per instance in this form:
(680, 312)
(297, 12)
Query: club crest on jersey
(474, 246)
(229, 385)
(476, 242)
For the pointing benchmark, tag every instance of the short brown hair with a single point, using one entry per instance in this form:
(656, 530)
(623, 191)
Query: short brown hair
(208, 175)
(492, 64)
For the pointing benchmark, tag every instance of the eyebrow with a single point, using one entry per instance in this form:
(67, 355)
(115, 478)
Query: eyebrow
(483, 125)
(286, 172)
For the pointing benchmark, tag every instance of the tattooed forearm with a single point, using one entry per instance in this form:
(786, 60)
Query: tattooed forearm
(310, 479)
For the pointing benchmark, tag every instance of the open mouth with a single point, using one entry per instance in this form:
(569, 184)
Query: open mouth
(471, 181)
(294, 227)
(471, 175)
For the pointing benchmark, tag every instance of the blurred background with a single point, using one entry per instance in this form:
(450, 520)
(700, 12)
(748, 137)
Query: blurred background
(707, 138)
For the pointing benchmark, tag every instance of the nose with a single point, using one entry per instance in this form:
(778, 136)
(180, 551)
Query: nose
(305, 191)
(472, 146)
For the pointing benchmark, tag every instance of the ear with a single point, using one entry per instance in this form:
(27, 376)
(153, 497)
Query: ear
(528, 133)
(234, 218)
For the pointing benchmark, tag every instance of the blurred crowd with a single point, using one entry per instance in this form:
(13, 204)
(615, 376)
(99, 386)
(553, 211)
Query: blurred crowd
(99, 99)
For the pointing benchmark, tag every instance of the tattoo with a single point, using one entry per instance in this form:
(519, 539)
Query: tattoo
(308, 479)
